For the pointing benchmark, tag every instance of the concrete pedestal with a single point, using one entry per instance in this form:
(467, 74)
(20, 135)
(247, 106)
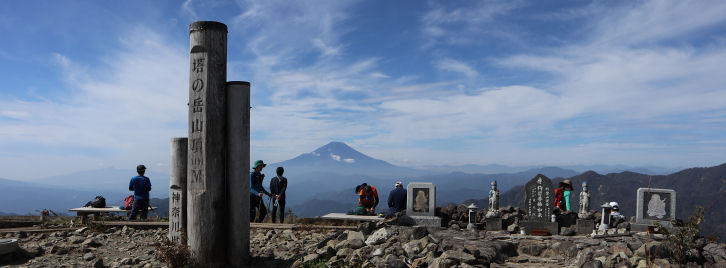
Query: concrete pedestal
(494, 224)
(428, 221)
(585, 226)
(551, 227)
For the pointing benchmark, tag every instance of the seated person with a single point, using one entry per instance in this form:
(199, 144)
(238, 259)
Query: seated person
(367, 200)
(615, 216)
(396, 200)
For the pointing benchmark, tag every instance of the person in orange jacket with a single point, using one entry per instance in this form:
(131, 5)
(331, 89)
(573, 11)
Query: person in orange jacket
(368, 198)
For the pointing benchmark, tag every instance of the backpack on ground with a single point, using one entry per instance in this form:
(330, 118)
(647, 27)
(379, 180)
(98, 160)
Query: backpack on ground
(98, 202)
(128, 202)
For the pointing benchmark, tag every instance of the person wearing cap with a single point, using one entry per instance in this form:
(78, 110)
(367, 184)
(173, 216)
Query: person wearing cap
(562, 195)
(396, 199)
(615, 216)
(141, 185)
(278, 187)
(256, 192)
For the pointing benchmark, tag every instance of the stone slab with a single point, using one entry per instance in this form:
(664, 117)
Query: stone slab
(551, 227)
(655, 205)
(428, 221)
(494, 224)
(539, 198)
(585, 226)
(343, 216)
(8, 246)
(420, 199)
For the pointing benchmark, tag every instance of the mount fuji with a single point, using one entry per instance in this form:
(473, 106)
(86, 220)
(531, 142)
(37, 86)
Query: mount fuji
(337, 157)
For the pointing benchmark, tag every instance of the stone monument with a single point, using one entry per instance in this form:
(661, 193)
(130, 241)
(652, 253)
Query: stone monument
(421, 203)
(493, 211)
(585, 223)
(538, 204)
(654, 206)
(584, 211)
(493, 218)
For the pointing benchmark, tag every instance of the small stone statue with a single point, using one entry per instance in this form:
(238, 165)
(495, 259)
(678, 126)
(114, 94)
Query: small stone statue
(584, 202)
(493, 202)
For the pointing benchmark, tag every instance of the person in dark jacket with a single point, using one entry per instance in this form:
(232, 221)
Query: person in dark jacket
(256, 192)
(141, 185)
(278, 186)
(396, 199)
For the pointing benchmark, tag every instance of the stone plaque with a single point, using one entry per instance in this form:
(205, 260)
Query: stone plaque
(420, 199)
(539, 198)
(655, 205)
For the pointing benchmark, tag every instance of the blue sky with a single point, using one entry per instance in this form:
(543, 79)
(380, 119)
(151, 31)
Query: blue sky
(94, 84)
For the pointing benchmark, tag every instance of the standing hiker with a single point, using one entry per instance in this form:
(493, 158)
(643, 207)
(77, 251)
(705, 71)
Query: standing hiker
(256, 192)
(278, 186)
(562, 196)
(141, 185)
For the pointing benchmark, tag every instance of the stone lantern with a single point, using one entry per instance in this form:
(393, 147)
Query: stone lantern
(605, 220)
(472, 217)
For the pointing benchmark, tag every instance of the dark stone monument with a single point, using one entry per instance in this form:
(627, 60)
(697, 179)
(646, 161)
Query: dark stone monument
(538, 204)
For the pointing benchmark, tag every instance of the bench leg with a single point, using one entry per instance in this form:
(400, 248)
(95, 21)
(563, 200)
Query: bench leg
(83, 215)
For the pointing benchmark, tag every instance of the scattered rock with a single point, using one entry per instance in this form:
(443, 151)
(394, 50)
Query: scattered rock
(419, 232)
(377, 252)
(593, 264)
(88, 256)
(91, 242)
(380, 236)
(98, 263)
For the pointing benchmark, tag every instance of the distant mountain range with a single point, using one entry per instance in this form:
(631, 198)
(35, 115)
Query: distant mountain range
(321, 181)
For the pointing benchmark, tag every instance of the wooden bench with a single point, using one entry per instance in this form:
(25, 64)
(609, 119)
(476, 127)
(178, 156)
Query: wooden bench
(83, 212)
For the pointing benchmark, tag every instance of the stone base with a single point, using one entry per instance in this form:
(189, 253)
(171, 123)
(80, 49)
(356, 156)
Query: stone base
(428, 221)
(636, 227)
(8, 246)
(494, 224)
(585, 226)
(551, 227)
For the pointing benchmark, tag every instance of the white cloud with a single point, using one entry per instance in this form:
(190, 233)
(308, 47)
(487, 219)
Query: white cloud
(456, 66)
(125, 111)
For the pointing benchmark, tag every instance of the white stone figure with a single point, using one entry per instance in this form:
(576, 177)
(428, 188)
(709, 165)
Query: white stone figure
(584, 202)
(656, 206)
(493, 202)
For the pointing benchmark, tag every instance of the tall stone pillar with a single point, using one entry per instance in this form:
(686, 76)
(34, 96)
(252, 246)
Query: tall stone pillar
(238, 176)
(178, 189)
(206, 204)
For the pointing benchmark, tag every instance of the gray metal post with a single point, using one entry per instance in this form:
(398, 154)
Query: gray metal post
(206, 203)
(238, 178)
(178, 189)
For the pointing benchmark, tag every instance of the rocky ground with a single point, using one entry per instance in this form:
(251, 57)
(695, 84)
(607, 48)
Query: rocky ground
(383, 244)
(114, 247)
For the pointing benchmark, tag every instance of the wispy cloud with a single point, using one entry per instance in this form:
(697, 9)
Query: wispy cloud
(136, 101)
(456, 66)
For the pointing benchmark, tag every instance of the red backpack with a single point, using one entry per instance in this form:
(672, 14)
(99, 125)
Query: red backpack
(129, 202)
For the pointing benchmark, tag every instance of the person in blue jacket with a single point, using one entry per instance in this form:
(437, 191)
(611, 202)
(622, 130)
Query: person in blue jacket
(396, 199)
(256, 192)
(141, 185)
